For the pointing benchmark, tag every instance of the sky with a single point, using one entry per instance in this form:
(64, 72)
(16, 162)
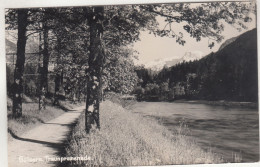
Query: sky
(151, 48)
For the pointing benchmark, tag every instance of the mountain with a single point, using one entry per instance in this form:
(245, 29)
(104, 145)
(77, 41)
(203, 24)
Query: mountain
(191, 56)
(31, 47)
(235, 69)
(229, 74)
(227, 42)
(10, 49)
(10, 46)
(159, 64)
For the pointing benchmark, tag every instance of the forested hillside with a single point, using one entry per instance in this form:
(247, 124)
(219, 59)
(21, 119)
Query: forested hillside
(229, 74)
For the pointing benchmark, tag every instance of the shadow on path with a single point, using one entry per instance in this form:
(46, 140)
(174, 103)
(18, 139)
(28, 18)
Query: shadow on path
(49, 144)
(60, 147)
(58, 124)
(64, 108)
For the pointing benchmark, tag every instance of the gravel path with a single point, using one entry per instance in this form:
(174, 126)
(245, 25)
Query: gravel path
(39, 145)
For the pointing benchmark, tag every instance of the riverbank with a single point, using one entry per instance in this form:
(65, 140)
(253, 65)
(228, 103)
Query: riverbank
(221, 103)
(129, 139)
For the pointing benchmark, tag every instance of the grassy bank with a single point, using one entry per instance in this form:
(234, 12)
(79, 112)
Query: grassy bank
(32, 116)
(127, 139)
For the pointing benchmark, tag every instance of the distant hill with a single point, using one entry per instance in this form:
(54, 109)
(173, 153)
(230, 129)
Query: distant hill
(235, 69)
(229, 74)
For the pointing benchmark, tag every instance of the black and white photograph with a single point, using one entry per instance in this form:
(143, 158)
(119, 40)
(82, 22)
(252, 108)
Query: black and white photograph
(131, 84)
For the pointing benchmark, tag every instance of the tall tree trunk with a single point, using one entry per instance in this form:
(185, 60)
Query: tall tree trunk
(57, 80)
(57, 88)
(95, 19)
(19, 67)
(44, 74)
(45, 57)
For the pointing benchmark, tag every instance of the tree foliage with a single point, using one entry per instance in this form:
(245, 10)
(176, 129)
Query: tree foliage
(119, 75)
(202, 20)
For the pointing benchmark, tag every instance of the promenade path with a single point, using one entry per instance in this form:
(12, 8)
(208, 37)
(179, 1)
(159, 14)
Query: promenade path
(35, 147)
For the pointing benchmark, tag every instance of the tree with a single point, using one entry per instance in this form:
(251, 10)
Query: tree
(164, 90)
(205, 20)
(95, 62)
(19, 67)
(118, 74)
(109, 26)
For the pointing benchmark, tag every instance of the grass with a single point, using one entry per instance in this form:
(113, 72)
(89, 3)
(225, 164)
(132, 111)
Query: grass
(32, 116)
(117, 98)
(128, 139)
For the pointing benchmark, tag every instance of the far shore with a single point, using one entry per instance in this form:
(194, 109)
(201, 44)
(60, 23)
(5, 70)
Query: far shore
(221, 103)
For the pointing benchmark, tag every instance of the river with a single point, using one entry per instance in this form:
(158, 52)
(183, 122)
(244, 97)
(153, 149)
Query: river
(225, 130)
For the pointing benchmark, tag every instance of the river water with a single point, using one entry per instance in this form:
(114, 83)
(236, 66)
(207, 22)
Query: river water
(226, 131)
